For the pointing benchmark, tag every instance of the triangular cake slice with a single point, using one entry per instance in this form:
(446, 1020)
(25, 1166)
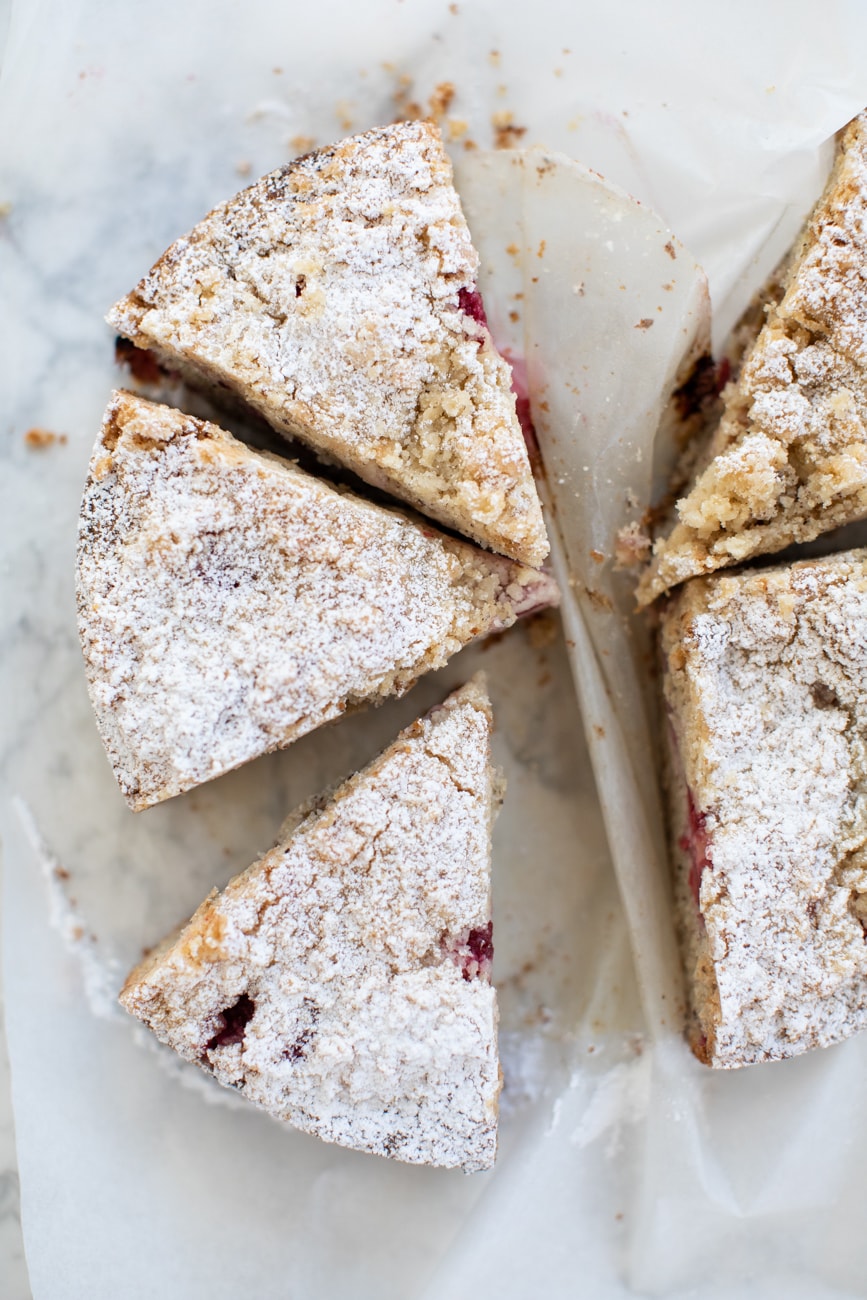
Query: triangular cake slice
(342, 982)
(229, 602)
(763, 673)
(789, 459)
(337, 296)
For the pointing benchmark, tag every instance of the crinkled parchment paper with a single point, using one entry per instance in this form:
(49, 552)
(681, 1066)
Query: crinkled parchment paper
(624, 1165)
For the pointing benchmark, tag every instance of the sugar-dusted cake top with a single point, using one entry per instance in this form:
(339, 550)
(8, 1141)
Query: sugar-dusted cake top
(789, 459)
(765, 686)
(337, 296)
(230, 602)
(343, 981)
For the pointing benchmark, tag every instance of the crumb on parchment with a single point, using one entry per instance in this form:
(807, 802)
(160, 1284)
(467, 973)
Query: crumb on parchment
(40, 439)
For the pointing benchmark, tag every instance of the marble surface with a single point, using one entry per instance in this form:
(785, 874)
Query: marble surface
(13, 1267)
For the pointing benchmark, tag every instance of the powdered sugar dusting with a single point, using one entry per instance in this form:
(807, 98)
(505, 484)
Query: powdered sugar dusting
(357, 1024)
(765, 684)
(329, 296)
(229, 602)
(789, 460)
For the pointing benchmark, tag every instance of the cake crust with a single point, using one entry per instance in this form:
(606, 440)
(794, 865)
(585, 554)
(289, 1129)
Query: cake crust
(342, 982)
(337, 297)
(767, 727)
(789, 458)
(229, 602)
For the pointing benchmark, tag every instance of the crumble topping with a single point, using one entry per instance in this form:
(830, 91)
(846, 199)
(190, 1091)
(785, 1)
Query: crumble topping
(765, 674)
(229, 602)
(332, 296)
(342, 982)
(789, 459)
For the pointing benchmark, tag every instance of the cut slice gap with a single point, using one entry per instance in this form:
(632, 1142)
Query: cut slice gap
(586, 265)
(154, 382)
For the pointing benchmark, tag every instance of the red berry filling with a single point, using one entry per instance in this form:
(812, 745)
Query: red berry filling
(298, 1050)
(473, 952)
(143, 365)
(520, 388)
(235, 1020)
(696, 842)
(470, 303)
(705, 382)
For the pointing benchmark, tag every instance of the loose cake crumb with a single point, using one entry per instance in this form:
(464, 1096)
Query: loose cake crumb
(440, 101)
(507, 135)
(631, 546)
(39, 439)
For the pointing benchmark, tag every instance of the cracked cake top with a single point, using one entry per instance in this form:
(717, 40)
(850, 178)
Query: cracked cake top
(337, 296)
(342, 982)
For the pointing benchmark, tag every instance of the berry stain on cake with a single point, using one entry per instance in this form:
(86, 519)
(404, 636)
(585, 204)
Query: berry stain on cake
(473, 952)
(695, 843)
(235, 1020)
(471, 304)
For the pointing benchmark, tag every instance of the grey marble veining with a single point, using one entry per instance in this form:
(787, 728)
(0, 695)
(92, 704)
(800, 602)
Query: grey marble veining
(13, 1267)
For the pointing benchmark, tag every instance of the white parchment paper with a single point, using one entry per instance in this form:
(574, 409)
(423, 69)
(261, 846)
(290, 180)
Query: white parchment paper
(624, 1164)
